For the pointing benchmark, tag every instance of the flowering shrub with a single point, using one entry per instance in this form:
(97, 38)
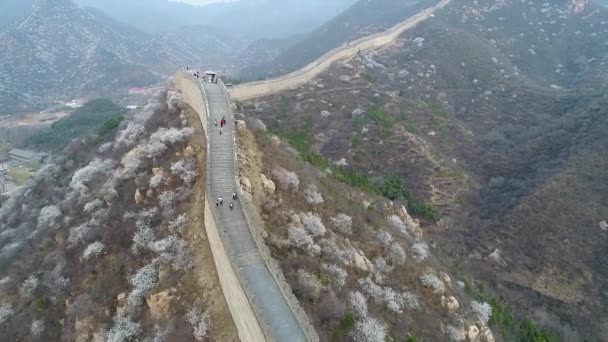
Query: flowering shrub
(37, 328)
(312, 195)
(200, 323)
(287, 180)
(186, 169)
(483, 311)
(143, 282)
(123, 329)
(359, 303)
(310, 284)
(29, 286)
(339, 275)
(129, 135)
(397, 254)
(455, 334)
(369, 329)
(48, 215)
(299, 237)
(6, 311)
(420, 251)
(431, 280)
(343, 223)
(93, 250)
(94, 169)
(313, 224)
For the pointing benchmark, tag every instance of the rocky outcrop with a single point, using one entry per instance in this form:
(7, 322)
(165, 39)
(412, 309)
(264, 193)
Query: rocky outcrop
(413, 225)
(246, 185)
(160, 304)
(450, 303)
(496, 257)
(241, 126)
(139, 198)
(268, 184)
(473, 334)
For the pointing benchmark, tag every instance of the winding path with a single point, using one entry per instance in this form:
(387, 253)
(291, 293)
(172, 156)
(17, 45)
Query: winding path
(270, 305)
(295, 79)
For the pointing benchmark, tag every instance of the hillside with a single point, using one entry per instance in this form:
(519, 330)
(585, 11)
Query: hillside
(491, 113)
(105, 243)
(244, 20)
(361, 19)
(61, 51)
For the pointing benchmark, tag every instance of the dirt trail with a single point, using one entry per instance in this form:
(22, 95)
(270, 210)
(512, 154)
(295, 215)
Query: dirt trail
(295, 79)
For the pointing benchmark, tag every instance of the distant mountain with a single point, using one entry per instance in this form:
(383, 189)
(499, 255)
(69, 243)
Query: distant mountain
(363, 18)
(13, 10)
(259, 54)
(61, 49)
(249, 20)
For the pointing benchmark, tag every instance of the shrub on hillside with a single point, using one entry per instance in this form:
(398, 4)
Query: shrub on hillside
(430, 280)
(287, 180)
(331, 308)
(37, 328)
(123, 329)
(420, 251)
(186, 169)
(482, 311)
(85, 175)
(309, 285)
(129, 135)
(178, 224)
(455, 334)
(299, 237)
(143, 282)
(93, 250)
(48, 216)
(343, 223)
(6, 311)
(384, 238)
(200, 323)
(29, 286)
(397, 254)
(369, 329)
(313, 224)
(358, 303)
(338, 274)
(142, 237)
(312, 196)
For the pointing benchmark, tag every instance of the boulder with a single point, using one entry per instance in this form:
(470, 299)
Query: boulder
(496, 257)
(241, 126)
(268, 184)
(139, 198)
(359, 260)
(160, 304)
(604, 225)
(246, 185)
(276, 141)
(450, 303)
(446, 279)
(473, 333)
(486, 335)
(325, 114)
(83, 328)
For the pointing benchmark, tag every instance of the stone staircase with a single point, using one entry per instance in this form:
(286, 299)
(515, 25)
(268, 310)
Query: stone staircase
(264, 293)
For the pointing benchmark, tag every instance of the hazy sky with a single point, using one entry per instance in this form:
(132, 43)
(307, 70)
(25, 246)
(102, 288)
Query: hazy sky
(202, 2)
